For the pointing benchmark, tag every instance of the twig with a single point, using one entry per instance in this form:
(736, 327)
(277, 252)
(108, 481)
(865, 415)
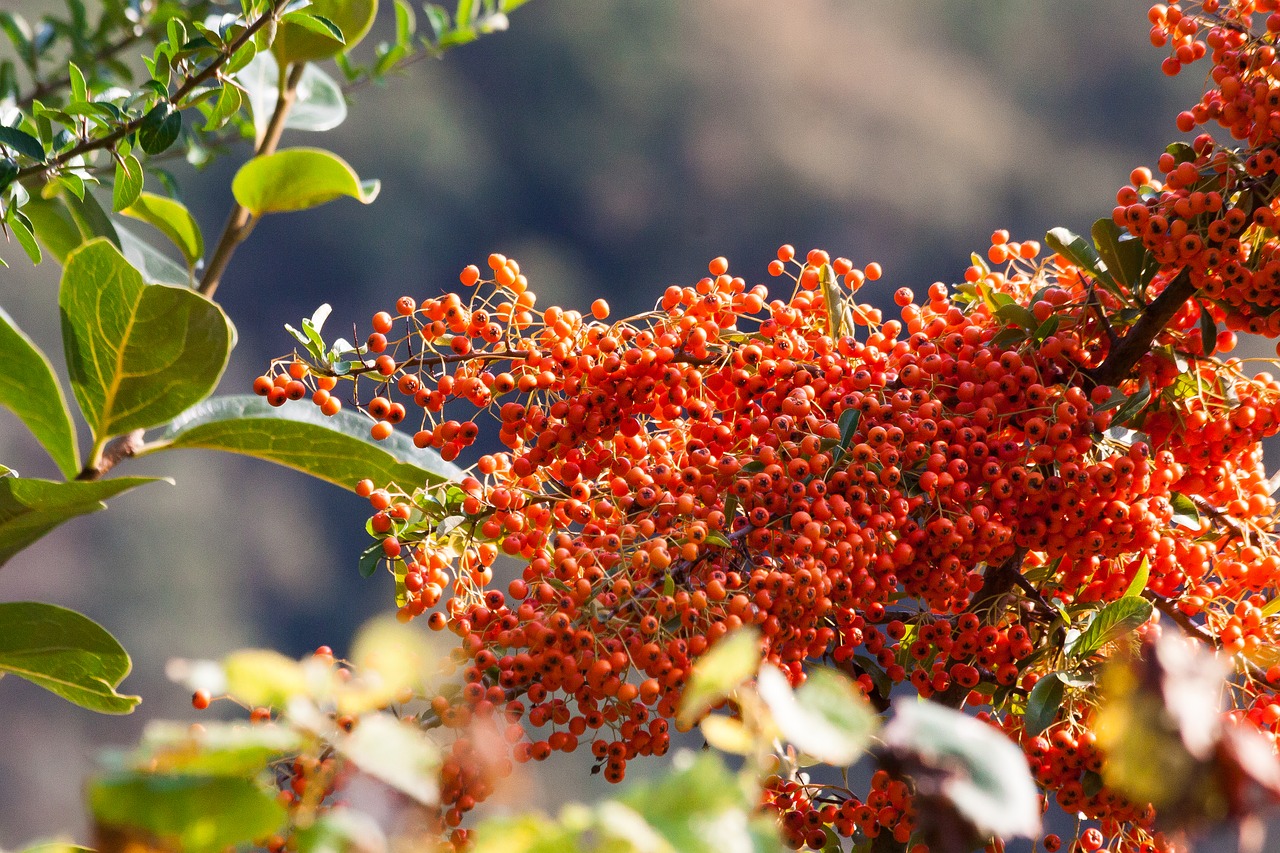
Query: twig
(46, 87)
(240, 222)
(191, 84)
(116, 450)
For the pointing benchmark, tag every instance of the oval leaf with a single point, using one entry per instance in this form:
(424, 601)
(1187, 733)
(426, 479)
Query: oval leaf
(31, 508)
(318, 102)
(173, 220)
(192, 813)
(65, 653)
(336, 449)
(353, 18)
(1042, 704)
(213, 749)
(1075, 249)
(138, 354)
(1109, 624)
(128, 182)
(160, 128)
(1126, 258)
(984, 777)
(719, 672)
(30, 389)
(825, 717)
(297, 179)
(264, 677)
(22, 142)
(401, 756)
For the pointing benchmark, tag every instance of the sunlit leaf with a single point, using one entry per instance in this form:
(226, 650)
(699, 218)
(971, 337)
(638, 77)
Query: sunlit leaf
(731, 661)
(297, 179)
(65, 653)
(825, 717)
(353, 18)
(1112, 622)
(337, 449)
(30, 389)
(961, 763)
(172, 219)
(198, 814)
(138, 354)
(30, 508)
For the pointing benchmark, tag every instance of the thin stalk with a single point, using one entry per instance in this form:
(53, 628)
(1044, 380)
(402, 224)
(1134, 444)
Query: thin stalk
(240, 222)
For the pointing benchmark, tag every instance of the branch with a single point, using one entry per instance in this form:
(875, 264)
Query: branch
(116, 450)
(240, 222)
(1137, 341)
(1169, 608)
(46, 87)
(190, 85)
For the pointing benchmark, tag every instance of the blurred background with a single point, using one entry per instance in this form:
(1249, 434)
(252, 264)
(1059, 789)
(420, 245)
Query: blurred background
(613, 147)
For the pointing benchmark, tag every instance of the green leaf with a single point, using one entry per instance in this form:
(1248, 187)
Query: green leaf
(731, 661)
(698, 808)
(1132, 405)
(976, 769)
(160, 128)
(297, 43)
(406, 24)
(297, 179)
(213, 749)
(1185, 512)
(1117, 619)
(1019, 315)
(23, 232)
(65, 653)
(1140, 577)
(1042, 704)
(138, 354)
(825, 717)
(1208, 330)
(196, 814)
(1126, 258)
(128, 183)
(337, 450)
(264, 677)
(370, 559)
(54, 226)
(8, 172)
(90, 218)
(1075, 249)
(849, 419)
(30, 508)
(316, 24)
(340, 830)
(30, 389)
(396, 754)
(22, 142)
(156, 267)
(227, 105)
(173, 220)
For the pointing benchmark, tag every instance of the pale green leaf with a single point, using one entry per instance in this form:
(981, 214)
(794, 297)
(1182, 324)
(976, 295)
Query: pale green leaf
(65, 653)
(30, 389)
(297, 179)
(138, 354)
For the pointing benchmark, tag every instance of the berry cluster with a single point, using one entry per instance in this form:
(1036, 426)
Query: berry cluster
(930, 498)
